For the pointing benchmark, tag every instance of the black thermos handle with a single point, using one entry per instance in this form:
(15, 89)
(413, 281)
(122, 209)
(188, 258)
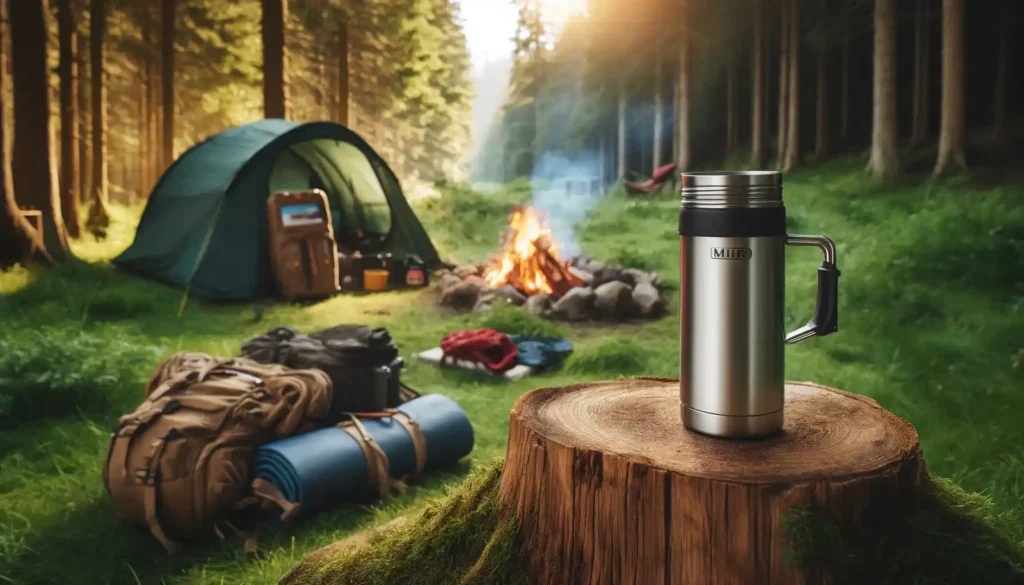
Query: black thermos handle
(826, 313)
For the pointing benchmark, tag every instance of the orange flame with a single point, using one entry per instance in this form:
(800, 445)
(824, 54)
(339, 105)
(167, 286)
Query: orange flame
(517, 258)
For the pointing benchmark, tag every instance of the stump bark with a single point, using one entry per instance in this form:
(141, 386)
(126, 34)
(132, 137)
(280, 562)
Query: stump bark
(609, 488)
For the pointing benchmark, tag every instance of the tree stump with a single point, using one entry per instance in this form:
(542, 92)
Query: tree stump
(609, 488)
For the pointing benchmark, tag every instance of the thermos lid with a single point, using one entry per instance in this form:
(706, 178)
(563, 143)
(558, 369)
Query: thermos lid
(731, 189)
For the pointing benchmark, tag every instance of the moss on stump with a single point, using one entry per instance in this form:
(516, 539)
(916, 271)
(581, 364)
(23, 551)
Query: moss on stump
(945, 537)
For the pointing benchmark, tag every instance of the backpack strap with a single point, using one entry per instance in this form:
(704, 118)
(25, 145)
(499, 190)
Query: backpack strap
(376, 459)
(122, 439)
(419, 442)
(406, 393)
(149, 476)
(265, 490)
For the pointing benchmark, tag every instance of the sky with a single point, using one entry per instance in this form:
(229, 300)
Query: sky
(490, 25)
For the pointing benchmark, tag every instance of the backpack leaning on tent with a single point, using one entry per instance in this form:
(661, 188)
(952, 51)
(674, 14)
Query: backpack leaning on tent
(180, 463)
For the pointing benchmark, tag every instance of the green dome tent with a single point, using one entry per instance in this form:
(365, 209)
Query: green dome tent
(205, 225)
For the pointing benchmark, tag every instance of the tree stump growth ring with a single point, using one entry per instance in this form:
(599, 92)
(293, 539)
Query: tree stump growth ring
(611, 489)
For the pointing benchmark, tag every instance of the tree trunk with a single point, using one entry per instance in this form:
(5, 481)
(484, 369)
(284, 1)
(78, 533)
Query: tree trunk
(98, 219)
(659, 115)
(603, 497)
(683, 154)
(17, 236)
(36, 179)
(140, 174)
(821, 122)
(168, 11)
(145, 114)
(922, 28)
(784, 40)
(884, 162)
(732, 128)
(844, 90)
(792, 157)
(84, 112)
(153, 122)
(1000, 89)
(952, 125)
(68, 68)
(621, 119)
(343, 74)
(675, 120)
(757, 84)
(275, 103)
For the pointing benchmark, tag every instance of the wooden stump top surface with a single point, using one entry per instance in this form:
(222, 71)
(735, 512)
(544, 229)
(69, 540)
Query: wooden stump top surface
(828, 433)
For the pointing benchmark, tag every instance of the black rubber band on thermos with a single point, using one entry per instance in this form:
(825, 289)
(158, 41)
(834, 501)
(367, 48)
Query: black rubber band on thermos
(736, 222)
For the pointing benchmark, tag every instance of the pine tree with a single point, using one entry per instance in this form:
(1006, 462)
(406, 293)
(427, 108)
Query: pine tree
(98, 218)
(68, 69)
(17, 236)
(922, 62)
(791, 156)
(884, 162)
(36, 179)
(821, 136)
(168, 28)
(757, 101)
(683, 81)
(953, 127)
(275, 102)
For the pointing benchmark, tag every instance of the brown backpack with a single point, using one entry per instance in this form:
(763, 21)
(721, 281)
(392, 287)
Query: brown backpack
(181, 462)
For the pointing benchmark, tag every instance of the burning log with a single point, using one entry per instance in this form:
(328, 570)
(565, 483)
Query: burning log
(529, 261)
(558, 276)
(516, 281)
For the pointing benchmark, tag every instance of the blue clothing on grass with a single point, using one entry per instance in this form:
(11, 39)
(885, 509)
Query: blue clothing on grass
(541, 353)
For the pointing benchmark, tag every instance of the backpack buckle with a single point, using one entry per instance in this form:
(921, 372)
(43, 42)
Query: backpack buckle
(146, 475)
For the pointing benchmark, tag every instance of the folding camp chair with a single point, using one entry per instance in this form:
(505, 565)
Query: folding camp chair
(662, 175)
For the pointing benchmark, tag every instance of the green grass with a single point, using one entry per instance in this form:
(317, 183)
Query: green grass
(932, 326)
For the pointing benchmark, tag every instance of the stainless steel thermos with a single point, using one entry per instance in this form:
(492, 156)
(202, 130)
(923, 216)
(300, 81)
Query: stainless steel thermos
(732, 228)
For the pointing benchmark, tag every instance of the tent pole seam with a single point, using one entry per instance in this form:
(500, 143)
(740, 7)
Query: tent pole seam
(202, 254)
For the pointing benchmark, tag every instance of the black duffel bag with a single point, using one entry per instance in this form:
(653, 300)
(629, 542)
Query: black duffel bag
(362, 363)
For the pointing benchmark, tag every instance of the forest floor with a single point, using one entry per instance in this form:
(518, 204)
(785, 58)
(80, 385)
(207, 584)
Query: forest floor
(932, 326)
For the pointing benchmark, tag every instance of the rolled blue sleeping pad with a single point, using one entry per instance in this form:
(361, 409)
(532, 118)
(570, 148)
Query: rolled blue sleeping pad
(323, 468)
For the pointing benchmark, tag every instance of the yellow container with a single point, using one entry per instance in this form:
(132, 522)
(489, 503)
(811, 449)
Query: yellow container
(375, 280)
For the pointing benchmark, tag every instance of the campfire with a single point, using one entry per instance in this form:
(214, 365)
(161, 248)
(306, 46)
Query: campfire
(529, 262)
(529, 272)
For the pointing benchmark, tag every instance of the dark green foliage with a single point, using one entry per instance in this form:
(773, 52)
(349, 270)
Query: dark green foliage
(472, 221)
(513, 320)
(88, 293)
(50, 373)
(946, 537)
(632, 258)
(977, 245)
(612, 357)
